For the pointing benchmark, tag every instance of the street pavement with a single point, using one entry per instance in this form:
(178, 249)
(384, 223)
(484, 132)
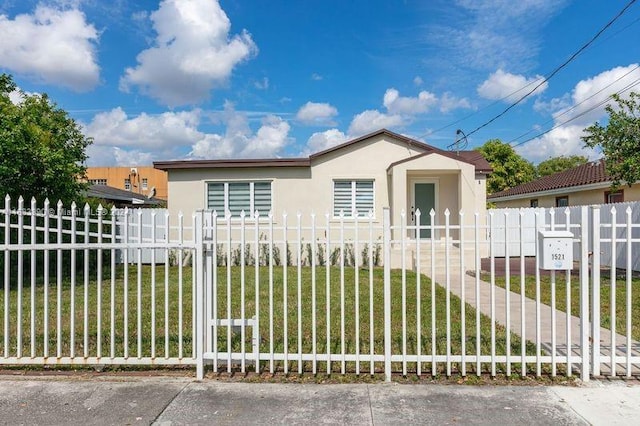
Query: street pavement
(115, 400)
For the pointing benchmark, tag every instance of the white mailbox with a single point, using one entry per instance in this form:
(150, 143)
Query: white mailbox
(555, 250)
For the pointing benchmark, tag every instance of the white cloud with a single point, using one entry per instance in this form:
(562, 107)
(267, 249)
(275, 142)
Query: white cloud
(449, 102)
(262, 84)
(371, 120)
(53, 46)
(397, 104)
(417, 80)
(509, 87)
(314, 113)
(193, 53)
(324, 140)
(553, 105)
(316, 77)
(240, 142)
(588, 101)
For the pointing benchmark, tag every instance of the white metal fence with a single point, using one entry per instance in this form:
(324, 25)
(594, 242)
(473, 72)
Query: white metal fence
(297, 294)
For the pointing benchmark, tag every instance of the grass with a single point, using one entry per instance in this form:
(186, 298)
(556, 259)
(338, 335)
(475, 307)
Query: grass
(141, 344)
(574, 284)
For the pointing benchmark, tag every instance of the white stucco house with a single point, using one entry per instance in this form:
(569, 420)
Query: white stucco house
(371, 172)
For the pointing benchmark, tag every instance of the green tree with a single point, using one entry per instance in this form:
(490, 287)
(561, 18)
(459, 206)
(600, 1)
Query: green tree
(509, 168)
(559, 164)
(619, 140)
(42, 149)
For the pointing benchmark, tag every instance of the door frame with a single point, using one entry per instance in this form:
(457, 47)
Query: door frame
(412, 198)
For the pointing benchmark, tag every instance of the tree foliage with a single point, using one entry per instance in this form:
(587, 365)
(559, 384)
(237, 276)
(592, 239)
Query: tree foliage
(619, 140)
(559, 164)
(509, 168)
(42, 149)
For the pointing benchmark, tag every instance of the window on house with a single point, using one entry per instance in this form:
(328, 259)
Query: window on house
(614, 196)
(235, 197)
(145, 183)
(98, 181)
(351, 196)
(127, 184)
(533, 203)
(562, 201)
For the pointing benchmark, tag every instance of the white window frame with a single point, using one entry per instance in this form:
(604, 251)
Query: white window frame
(349, 215)
(145, 183)
(98, 181)
(250, 213)
(127, 184)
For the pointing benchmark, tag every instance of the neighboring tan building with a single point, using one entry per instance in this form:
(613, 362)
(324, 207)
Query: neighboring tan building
(365, 174)
(583, 185)
(139, 179)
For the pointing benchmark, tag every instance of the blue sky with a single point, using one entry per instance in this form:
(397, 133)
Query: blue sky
(180, 79)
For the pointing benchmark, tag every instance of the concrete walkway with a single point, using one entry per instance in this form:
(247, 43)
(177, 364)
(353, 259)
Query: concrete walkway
(564, 336)
(182, 401)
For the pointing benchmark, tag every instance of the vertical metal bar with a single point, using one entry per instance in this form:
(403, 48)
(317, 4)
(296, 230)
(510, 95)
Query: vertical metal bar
(243, 315)
(371, 328)
(112, 323)
(85, 307)
(32, 277)
(386, 226)
(507, 282)
(613, 278)
(20, 276)
(356, 249)
(153, 284)
(213, 265)
(595, 292)
(492, 291)
(537, 275)
(7, 281)
(328, 291)
(523, 317)
(195, 273)
(180, 286)
(463, 303)
(256, 243)
(418, 296)
(403, 260)
(476, 239)
(584, 292)
(229, 319)
(199, 294)
(554, 323)
(447, 257)
(125, 285)
(139, 286)
(434, 347)
(58, 281)
(47, 218)
(285, 295)
(99, 286)
(567, 215)
(167, 230)
(271, 295)
(342, 295)
(314, 312)
(72, 307)
(299, 215)
(629, 289)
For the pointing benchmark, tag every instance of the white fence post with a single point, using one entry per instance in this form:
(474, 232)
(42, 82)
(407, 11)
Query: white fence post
(584, 292)
(595, 293)
(386, 225)
(198, 265)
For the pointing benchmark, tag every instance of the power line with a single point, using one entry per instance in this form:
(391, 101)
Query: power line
(598, 105)
(556, 70)
(579, 103)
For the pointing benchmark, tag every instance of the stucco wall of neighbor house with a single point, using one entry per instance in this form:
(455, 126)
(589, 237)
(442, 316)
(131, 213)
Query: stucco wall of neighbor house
(576, 198)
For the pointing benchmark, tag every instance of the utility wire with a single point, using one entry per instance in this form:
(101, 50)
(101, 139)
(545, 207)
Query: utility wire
(555, 71)
(568, 110)
(598, 105)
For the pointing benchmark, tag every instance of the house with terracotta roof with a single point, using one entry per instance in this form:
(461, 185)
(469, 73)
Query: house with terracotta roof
(365, 174)
(583, 185)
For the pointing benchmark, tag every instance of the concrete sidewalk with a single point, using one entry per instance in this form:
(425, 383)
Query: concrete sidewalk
(112, 400)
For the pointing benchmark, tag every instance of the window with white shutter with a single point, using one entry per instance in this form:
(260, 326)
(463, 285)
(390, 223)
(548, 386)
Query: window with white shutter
(353, 197)
(234, 197)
